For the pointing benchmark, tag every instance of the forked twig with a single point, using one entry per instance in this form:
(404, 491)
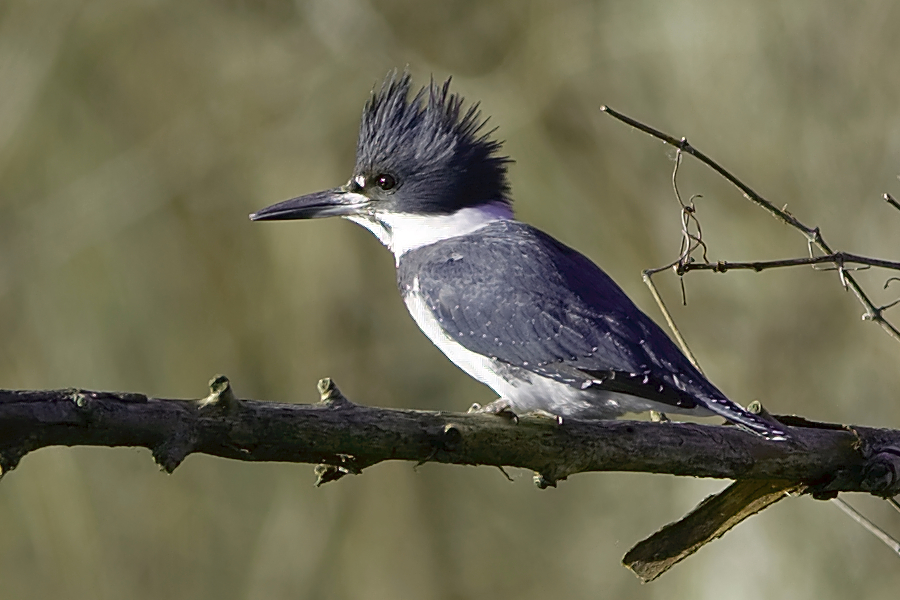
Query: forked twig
(685, 263)
(812, 234)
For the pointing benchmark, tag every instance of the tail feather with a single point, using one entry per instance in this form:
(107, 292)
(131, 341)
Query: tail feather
(746, 420)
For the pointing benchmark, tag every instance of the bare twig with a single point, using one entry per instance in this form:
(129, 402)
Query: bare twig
(838, 259)
(669, 320)
(812, 234)
(890, 200)
(874, 529)
(893, 502)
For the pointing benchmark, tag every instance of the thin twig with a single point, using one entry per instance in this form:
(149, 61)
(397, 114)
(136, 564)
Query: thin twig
(893, 502)
(890, 200)
(838, 259)
(669, 320)
(812, 234)
(685, 146)
(869, 525)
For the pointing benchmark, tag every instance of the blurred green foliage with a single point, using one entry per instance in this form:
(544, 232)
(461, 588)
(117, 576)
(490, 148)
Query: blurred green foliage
(135, 137)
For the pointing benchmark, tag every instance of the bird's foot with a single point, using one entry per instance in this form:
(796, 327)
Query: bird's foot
(658, 417)
(544, 414)
(499, 407)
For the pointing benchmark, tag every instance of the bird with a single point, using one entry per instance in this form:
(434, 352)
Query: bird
(538, 322)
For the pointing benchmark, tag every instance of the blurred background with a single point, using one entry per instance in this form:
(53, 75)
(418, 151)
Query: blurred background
(135, 137)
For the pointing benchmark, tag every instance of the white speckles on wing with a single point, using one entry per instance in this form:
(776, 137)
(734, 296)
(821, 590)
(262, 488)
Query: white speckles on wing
(552, 332)
(525, 391)
(480, 367)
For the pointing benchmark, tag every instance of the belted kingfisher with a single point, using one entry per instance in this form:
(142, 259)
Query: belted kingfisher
(514, 308)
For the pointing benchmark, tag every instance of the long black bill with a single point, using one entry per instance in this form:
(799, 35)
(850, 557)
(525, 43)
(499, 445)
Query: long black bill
(331, 203)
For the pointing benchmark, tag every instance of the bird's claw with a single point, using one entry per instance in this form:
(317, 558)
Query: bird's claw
(543, 414)
(500, 408)
(659, 417)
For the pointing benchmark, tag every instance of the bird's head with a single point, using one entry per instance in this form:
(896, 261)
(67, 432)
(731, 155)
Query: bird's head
(425, 156)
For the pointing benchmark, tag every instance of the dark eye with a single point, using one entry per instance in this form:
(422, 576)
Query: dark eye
(385, 182)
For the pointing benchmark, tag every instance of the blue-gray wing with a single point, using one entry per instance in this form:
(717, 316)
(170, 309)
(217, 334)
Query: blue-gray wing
(516, 294)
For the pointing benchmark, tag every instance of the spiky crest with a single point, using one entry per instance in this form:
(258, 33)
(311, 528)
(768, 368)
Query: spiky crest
(437, 149)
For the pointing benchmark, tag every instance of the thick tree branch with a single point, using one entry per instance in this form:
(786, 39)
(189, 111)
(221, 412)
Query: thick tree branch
(344, 438)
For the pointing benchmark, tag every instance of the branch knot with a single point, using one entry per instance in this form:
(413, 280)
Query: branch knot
(331, 396)
(881, 475)
(220, 394)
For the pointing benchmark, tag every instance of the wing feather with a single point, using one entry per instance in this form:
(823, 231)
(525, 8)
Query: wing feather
(529, 301)
(515, 294)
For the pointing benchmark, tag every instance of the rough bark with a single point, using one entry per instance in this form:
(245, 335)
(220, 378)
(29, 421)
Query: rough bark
(344, 437)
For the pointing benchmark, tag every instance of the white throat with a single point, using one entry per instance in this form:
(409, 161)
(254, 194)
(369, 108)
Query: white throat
(402, 232)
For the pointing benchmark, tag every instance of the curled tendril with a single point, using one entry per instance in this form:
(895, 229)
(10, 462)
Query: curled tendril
(691, 231)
